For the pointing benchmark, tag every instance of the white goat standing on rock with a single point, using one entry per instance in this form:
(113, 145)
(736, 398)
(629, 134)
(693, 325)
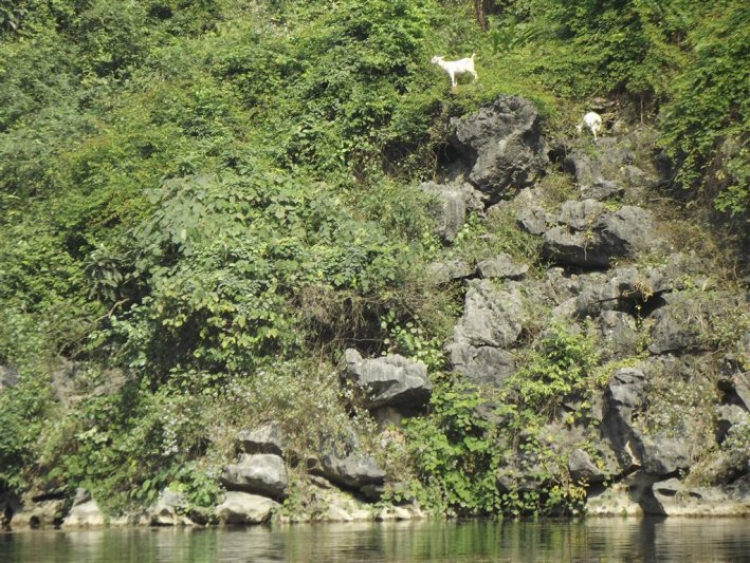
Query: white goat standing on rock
(456, 67)
(591, 121)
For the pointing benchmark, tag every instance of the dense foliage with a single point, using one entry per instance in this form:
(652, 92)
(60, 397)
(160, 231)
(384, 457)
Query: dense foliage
(194, 193)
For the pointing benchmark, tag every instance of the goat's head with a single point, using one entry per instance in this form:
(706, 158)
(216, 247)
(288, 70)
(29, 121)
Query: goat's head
(435, 60)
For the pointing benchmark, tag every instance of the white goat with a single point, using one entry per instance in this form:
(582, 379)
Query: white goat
(591, 121)
(456, 67)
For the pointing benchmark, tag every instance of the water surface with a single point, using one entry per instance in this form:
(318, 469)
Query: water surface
(598, 540)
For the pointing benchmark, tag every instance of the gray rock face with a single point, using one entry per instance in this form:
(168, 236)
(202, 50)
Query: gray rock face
(267, 439)
(391, 381)
(86, 514)
(582, 469)
(485, 365)
(674, 498)
(726, 417)
(677, 325)
(659, 454)
(589, 237)
(492, 321)
(449, 270)
(533, 219)
(8, 377)
(502, 266)
(456, 201)
(355, 471)
(504, 144)
(492, 316)
(623, 396)
(263, 474)
(243, 508)
(37, 512)
(619, 333)
(169, 509)
(602, 190)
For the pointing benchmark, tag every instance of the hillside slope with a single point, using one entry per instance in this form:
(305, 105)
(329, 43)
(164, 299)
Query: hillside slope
(212, 213)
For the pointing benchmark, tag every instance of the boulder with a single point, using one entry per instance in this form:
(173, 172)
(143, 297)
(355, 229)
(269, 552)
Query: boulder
(589, 237)
(398, 513)
(582, 469)
(619, 333)
(240, 508)
(449, 270)
(726, 417)
(533, 219)
(492, 321)
(169, 510)
(658, 454)
(266, 439)
(357, 471)
(38, 510)
(586, 169)
(503, 144)
(686, 321)
(335, 505)
(675, 498)
(341, 461)
(390, 381)
(85, 514)
(630, 496)
(263, 474)
(627, 230)
(502, 266)
(485, 365)
(623, 396)
(602, 190)
(734, 382)
(456, 201)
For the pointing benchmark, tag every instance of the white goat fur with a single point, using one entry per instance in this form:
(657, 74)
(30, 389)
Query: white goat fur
(591, 121)
(456, 67)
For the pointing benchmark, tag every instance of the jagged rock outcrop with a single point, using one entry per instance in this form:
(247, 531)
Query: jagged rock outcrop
(492, 321)
(503, 144)
(657, 454)
(501, 266)
(392, 381)
(589, 236)
(341, 461)
(355, 471)
(262, 474)
(266, 439)
(456, 202)
(450, 270)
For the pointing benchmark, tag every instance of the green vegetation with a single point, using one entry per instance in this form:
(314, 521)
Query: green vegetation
(203, 202)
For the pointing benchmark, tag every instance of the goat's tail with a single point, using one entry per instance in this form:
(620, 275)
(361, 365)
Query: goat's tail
(473, 55)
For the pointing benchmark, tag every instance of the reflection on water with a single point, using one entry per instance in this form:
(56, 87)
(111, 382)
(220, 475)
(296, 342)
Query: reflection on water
(682, 540)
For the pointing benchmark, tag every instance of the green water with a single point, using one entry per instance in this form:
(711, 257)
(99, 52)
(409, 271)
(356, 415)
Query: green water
(600, 540)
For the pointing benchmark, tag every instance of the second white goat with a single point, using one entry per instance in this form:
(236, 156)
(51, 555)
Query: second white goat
(456, 67)
(591, 121)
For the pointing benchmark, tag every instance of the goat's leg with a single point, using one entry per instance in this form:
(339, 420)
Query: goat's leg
(474, 73)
